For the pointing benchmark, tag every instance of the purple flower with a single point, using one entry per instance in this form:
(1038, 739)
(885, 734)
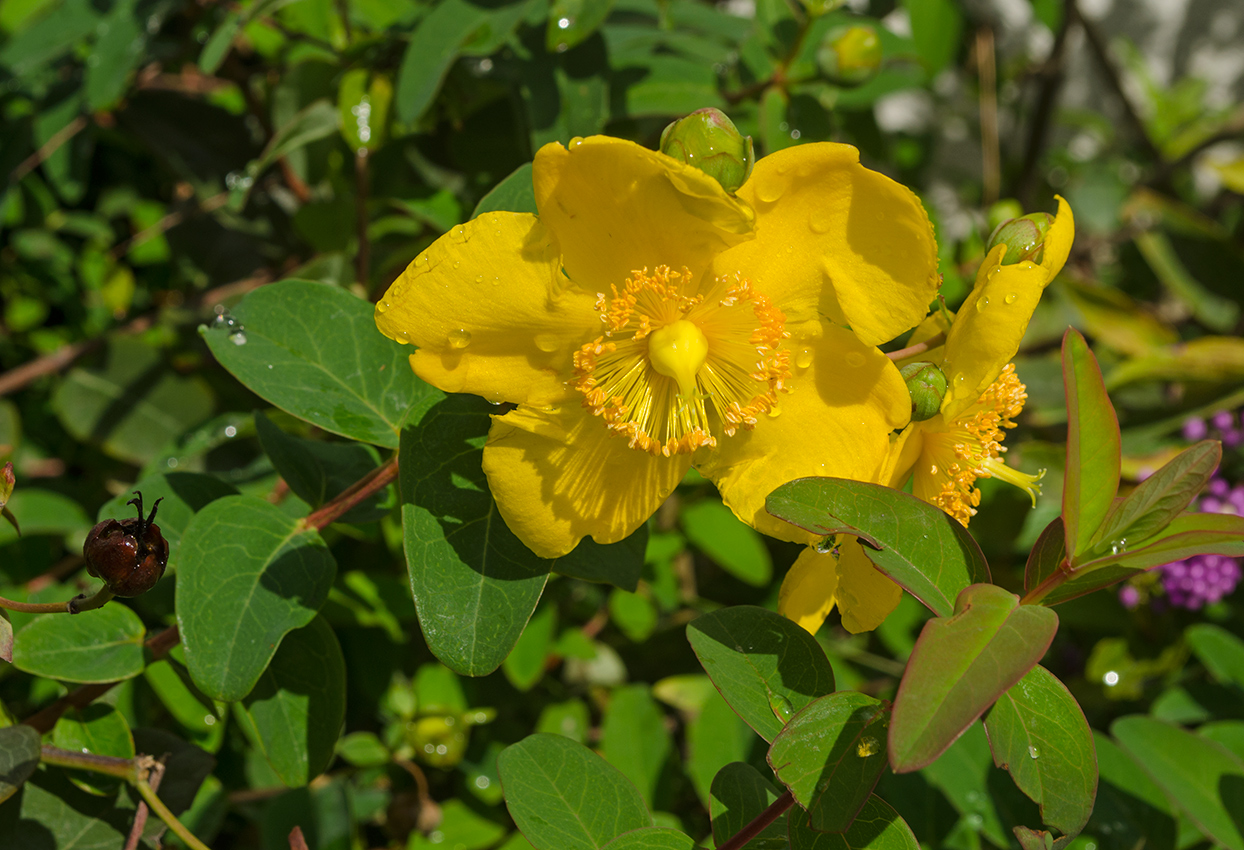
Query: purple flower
(1195, 429)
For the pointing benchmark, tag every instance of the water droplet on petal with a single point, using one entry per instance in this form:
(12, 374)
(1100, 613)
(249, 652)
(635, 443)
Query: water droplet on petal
(960, 379)
(546, 342)
(819, 221)
(458, 234)
(854, 359)
(775, 412)
(459, 339)
(771, 188)
(383, 306)
(803, 359)
(1011, 298)
(421, 260)
(403, 337)
(456, 264)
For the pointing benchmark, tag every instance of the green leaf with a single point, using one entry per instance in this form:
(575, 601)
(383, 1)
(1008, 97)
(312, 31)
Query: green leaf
(133, 405)
(716, 737)
(217, 46)
(515, 193)
(571, 22)
(6, 637)
(1161, 497)
(189, 706)
(433, 48)
(619, 564)
(964, 776)
(920, 546)
(634, 738)
(739, 794)
(765, 666)
(633, 614)
(1212, 310)
(1203, 779)
(295, 712)
(248, 575)
(565, 797)
(960, 666)
(524, 666)
(19, 756)
(1227, 733)
(1039, 735)
(100, 730)
(44, 512)
(119, 49)
(103, 645)
(50, 812)
(317, 120)
(1047, 554)
(313, 350)
(474, 583)
(363, 749)
(569, 719)
(182, 495)
(317, 471)
(652, 838)
(1220, 651)
(876, 827)
(1130, 806)
(936, 27)
(1093, 448)
(735, 547)
(460, 828)
(364, 109)
(830, 755)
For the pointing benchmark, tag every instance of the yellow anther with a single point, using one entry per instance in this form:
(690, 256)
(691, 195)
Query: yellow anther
(677, 351)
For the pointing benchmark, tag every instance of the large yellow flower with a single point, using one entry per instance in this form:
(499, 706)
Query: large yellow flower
(646, 320)
(945, 455)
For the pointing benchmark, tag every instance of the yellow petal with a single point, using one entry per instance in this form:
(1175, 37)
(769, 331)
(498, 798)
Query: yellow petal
(991, 323)
(491, 312)
(835, 237)
(809, 590)
(835, 421)
(904, 452)
(616, 207)
(865, 595)
(558, 475)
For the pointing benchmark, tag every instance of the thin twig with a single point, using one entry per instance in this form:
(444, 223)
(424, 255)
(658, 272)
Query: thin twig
(362, 257)
(48, 148)
(77, 605)
(918, 348)
(991, 169)
(140, 813)
(758, 823)
(376, 480)
(296, 839)
(169, 221)
(157, 806)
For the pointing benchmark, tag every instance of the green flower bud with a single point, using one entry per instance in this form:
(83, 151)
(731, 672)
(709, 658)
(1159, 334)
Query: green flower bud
(850, 54)
(438, 741)
(1024, 238)
(708, 140)
(1003, 211)
(927, 385)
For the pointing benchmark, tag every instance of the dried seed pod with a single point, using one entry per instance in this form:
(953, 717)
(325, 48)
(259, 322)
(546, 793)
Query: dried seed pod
(129, 554)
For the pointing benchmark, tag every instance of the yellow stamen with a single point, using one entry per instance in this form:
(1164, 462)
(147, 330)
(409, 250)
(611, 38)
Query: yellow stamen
(672, 368)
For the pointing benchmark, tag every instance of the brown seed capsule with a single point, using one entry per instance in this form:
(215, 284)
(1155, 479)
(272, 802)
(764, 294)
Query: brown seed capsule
(129, 554)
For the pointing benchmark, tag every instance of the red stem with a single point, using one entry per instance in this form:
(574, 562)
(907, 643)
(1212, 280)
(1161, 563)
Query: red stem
(758, 824)
(376, 480)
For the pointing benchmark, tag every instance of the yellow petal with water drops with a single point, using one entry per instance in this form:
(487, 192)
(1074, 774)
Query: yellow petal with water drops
(490, 312)
(616, 207)
(1058, 238)
(809, 590)
(559, 475)
(865, 596)
(844, 399)
(834, 237)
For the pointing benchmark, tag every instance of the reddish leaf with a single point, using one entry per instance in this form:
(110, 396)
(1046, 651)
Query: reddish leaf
(1093, 446)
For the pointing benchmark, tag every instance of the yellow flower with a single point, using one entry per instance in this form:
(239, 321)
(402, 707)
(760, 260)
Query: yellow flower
(647, 320)
(944, 455)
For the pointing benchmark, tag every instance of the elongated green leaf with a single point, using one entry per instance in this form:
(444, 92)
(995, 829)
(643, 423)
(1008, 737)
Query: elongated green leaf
(735, 547)
(716, 737)
(1161, 497)
(1039, 735)
(294, 714)
(619, 564)
(634, 738)
(513, 194)
(313, 350)
(917, 544)
(104, 645)
(831, 754)
(474, 583)
(565, 797)
(877, 827)
(1129, 803)
(765, 666)
(1203, 779)
(182, 494)
(1219, 650)
(44, 512)
(1047, 554)
(962, 776)
(1093, 447)
(248, 575)
(19, 756)
(100, 730)
(936, 26)
(315, 121)
(739, 794)
(652, 838)
(433, 48)
(960, 666)
(119, 49)
(571, 22)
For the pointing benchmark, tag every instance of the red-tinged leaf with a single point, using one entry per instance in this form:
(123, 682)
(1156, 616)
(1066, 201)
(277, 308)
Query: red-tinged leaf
(1047, 554)
(6, 638)
(1039, 839)
(1187, 535)
(1161, 497)
(1093, 446)
(960, 665)
(7, 482)
(1038, 734)
(919, 546)
(830, 756)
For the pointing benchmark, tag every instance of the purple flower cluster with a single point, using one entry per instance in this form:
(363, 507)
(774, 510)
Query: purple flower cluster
(1224, 422)
(1204, 579)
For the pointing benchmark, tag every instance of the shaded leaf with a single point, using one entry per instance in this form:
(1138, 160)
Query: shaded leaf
(877, 827)
(1047, 554)
(100, 730)
(103, 645)
(515, 193)
(1093, 449)
(716, 737)
(652, 838)
(734, 546)
(739, 794)
(619, 564)
(1219, 650)
(765, 666)
(433, 48)
(1130, 806)
(634, 738)
(960, 666)
(182, 494)
(19, 756)
(918, 545)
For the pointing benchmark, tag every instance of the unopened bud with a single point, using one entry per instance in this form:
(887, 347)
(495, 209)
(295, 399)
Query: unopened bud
(129, 554)
(850, 54)
(709, 141)
(927, 386)
(439, 740)
(1024, 238)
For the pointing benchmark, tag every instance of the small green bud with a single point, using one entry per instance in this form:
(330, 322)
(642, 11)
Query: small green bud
(709, 141)
(927, 385)
(439, 740)
(1003, 211)
(1024, 238)
(850, 54)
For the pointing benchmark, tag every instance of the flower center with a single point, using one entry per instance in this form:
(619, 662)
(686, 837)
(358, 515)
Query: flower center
(959, 452)
(673, 369)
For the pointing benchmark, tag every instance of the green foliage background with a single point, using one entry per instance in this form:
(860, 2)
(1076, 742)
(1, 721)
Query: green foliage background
(167, 157)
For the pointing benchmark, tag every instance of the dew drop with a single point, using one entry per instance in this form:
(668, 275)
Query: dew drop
(960, 379)
(781, 707)
(456, 264)
(1033, 752)
(383, 307)
(819, 221)
(479, 278)
(803, 359)
(403, 337)
(237, 338)
(576, 141)
(421, 260)
(825, 545)
(459, 339)
(546, 343)
(771, 188)
(1011, 298)
(933, 469)
(458, 234)
(775, 412)
(855, 359)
